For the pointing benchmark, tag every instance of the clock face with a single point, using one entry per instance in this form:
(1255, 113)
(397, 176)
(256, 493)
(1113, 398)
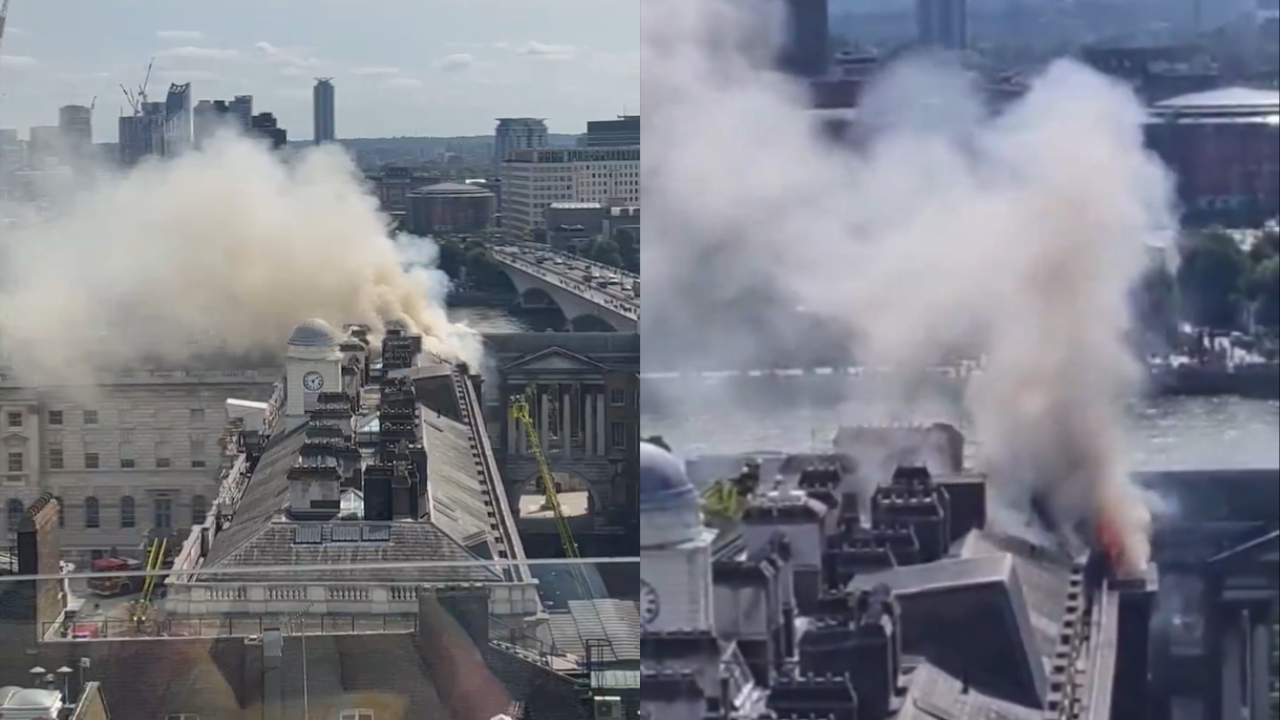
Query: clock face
(650, 606)
(313, 381)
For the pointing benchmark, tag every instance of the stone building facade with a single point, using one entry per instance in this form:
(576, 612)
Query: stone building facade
(139, 450)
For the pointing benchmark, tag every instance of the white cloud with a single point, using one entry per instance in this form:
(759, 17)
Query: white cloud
(285, 56)
(375, 71)
(184, 76)
(403, 82)
(455, 62)
(545, 51)
(190, 52)
(18, 61)
(614, 63)
(185, 35)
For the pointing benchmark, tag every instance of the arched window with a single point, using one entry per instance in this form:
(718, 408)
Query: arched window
(16, 511)
(199, 509)
(127, 517)
(62, 512)
(92, 518)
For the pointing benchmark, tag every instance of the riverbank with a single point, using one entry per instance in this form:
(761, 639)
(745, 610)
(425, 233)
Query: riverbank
(1255, 382)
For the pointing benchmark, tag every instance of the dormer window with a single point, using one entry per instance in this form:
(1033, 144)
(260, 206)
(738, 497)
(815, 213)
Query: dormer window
(357, 714)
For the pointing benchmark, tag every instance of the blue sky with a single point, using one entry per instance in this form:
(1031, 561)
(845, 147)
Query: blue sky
(401, 67)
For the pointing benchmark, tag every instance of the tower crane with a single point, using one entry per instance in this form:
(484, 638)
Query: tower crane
(4, 17)
(4, 20)
(139, 98)
(519, 405)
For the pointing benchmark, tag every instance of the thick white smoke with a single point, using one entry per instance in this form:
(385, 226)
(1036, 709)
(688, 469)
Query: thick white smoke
(222, 250)
(949, 225)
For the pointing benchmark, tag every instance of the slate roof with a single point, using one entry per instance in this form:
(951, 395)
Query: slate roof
(955, 604)
(219, 679)
(935, 695)
(615, 621)
(260, 535)
(459, 501)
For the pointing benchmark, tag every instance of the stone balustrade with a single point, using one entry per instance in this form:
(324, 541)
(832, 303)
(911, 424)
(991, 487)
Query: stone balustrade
(205, 599)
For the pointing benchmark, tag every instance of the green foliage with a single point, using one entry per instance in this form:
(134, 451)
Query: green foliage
(604, 250)
(1265, 284)
(628, 249)
(470, 265)
(1211, 279)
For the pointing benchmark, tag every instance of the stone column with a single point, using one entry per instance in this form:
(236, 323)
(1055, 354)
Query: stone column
(513, 431)
(566, 414)
(1259, 664)
(601, 430)
(1232, 660)
(544, 417)
(588, 422)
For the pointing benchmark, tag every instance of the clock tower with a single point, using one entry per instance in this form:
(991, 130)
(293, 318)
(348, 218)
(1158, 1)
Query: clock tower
(675, 548)
(313, 364)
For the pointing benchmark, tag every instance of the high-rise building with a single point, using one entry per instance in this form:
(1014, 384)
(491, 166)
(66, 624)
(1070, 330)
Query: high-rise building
(266, 126)
(76, 128)
(43, 145)
(806, 51)
(242, 109)
(943, 23)
(142, 134)
(322, 107)
(179, 120)
(209, 116)
(535, 179)
(623, 132)
(517, 134)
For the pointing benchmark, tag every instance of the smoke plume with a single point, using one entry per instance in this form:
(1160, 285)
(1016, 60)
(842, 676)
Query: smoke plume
(941, 225)
(221, 251)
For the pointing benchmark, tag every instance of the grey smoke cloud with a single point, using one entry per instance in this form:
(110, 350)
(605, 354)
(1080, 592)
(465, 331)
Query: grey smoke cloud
(225, 249)
(1023, 230)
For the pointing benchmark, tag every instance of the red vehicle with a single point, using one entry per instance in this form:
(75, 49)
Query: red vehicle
(112, 585)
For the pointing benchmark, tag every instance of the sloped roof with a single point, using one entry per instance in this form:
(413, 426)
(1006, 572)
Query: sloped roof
(616, 622)
(261, 535)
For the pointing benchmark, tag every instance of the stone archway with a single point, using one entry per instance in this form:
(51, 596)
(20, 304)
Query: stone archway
(591, 323)
(536, 297)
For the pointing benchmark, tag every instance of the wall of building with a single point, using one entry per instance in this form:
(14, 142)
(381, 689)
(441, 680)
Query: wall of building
(152, 442)
(450, 214)
(1221, 165)
(533, 180)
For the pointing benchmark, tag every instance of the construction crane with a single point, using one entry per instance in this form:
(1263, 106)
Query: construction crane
(726, 498)
(141, 608)
(519, 405)
(4, 18)
(137, 99)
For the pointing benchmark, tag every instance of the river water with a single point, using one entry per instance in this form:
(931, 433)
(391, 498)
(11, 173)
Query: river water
(487, 320)
(1163, 434)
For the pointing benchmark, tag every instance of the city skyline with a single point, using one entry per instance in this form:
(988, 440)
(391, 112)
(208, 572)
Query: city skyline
(433, 68)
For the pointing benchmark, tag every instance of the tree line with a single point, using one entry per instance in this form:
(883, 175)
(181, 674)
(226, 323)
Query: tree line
(1216, 284)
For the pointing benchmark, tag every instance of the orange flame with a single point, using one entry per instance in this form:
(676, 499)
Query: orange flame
(1109, 541)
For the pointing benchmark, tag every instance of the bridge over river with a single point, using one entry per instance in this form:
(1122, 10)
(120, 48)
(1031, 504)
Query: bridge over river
(593, 296)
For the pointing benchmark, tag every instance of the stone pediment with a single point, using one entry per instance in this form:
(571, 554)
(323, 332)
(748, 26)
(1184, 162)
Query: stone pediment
(554, 359)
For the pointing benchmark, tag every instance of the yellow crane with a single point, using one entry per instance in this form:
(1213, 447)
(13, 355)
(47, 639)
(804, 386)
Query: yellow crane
(520, 410)
(141, 609)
